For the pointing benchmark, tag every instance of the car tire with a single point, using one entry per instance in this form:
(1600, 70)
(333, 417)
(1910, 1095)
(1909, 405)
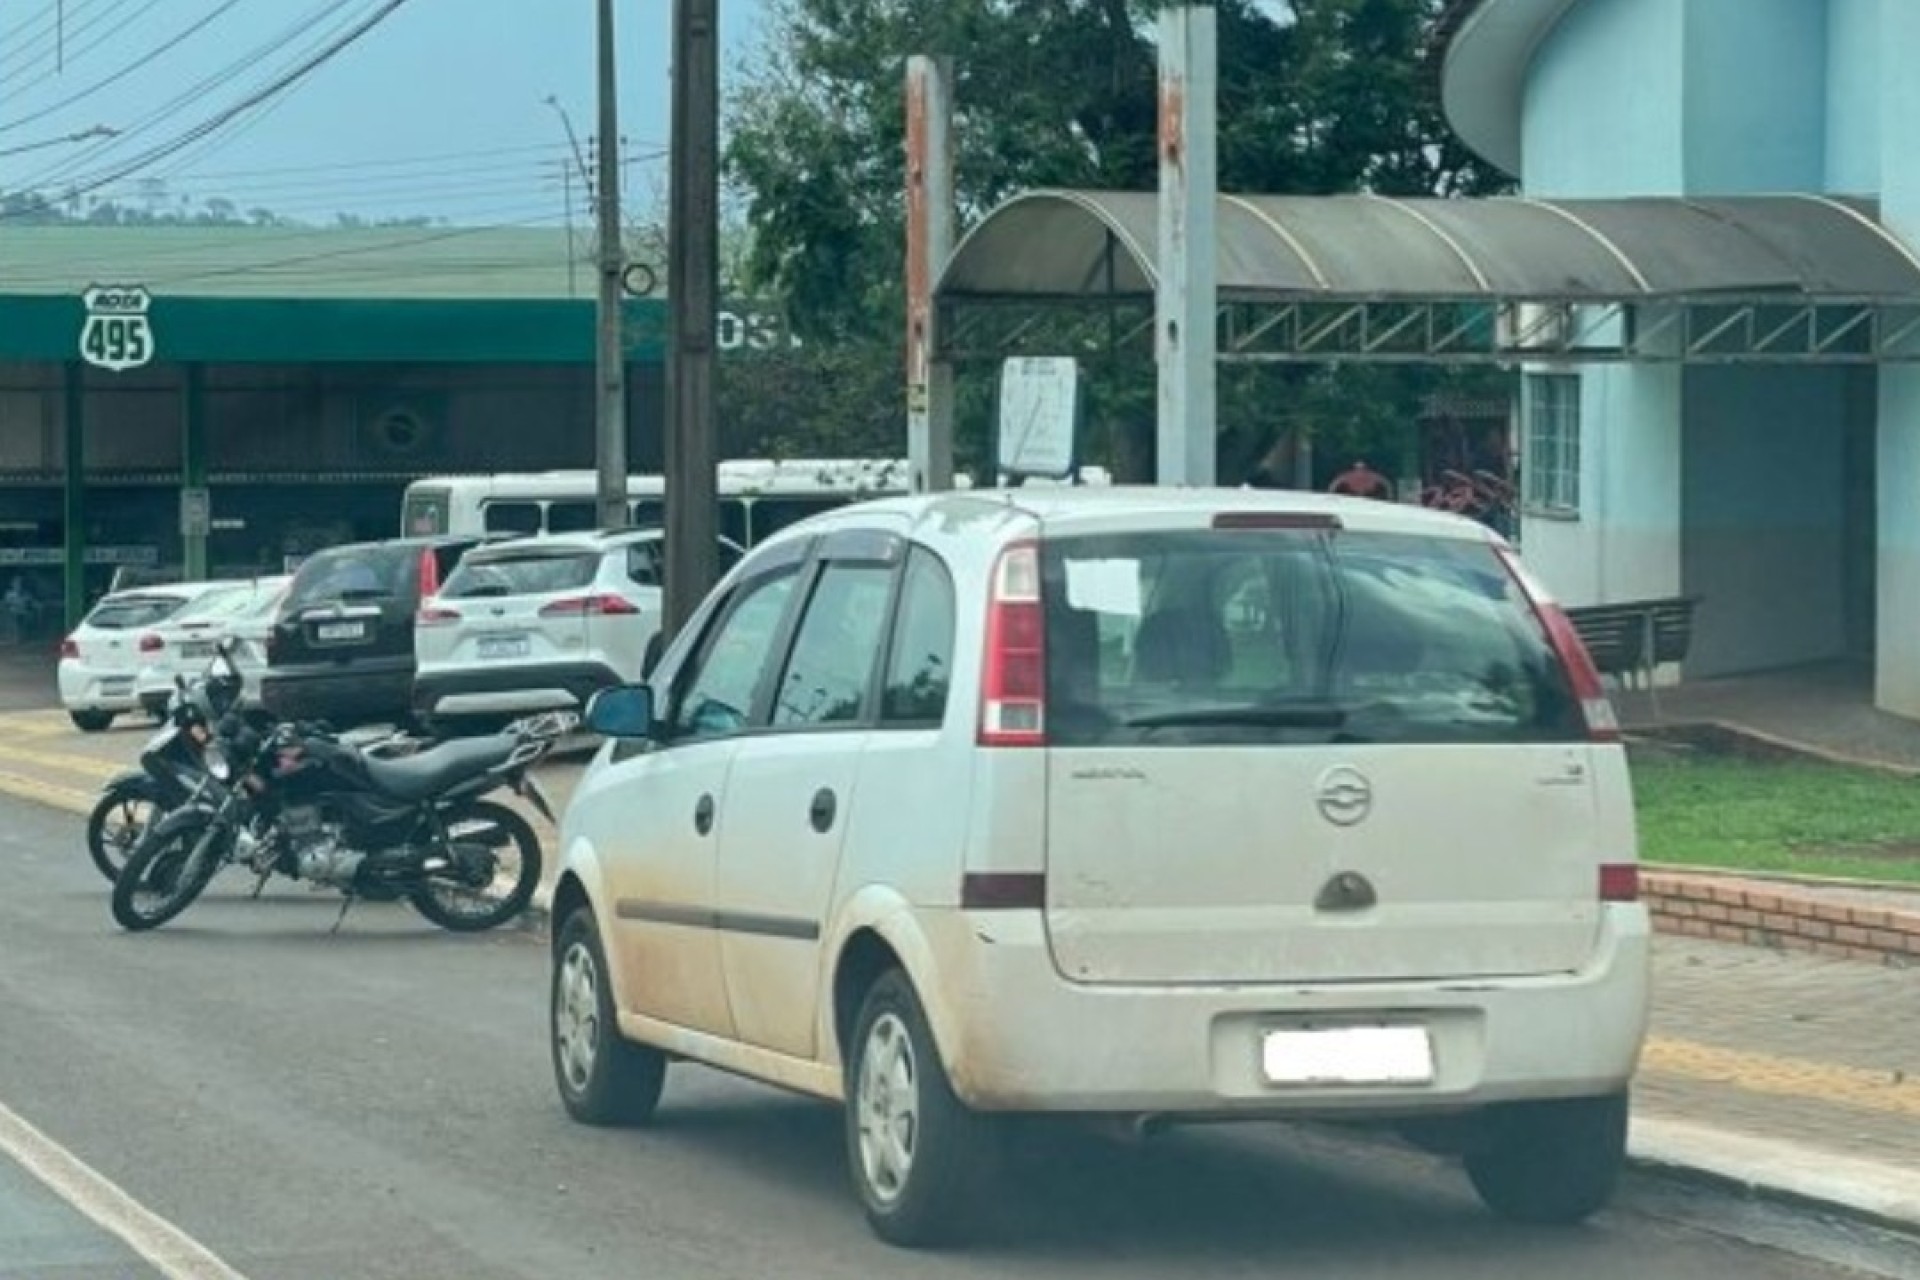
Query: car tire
(603, 1078)
(91, 721)
(921, 1160)
(1549, 1162)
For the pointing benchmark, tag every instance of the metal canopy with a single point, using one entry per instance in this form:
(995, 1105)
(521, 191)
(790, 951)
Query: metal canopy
(1777, 278)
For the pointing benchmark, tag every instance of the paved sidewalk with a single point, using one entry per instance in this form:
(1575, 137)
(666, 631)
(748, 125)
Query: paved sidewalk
(1783, 1071)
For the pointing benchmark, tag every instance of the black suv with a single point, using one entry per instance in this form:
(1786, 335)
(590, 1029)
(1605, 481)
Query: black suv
(341, 648)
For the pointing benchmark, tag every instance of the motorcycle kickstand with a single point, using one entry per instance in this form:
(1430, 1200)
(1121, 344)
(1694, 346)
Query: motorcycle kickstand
(345, 906)
(260, 882)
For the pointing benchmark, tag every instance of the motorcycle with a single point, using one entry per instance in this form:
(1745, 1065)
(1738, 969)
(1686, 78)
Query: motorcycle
(294, 800)
(172, 771)
(173, 767)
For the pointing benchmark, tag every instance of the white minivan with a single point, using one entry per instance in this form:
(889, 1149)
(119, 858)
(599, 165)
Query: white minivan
(1169, 804)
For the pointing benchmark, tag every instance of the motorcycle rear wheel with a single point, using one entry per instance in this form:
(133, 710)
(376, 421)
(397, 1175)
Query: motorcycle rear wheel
(162, 877)
(453, 901)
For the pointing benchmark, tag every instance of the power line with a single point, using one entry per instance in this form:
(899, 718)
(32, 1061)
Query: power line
(221, 118)
(13, 61)
(145, 60)
(198, 90)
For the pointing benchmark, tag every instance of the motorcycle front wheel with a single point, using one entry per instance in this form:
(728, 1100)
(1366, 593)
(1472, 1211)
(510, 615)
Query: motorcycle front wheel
(167, 870)
(493, 867)
(119, 818)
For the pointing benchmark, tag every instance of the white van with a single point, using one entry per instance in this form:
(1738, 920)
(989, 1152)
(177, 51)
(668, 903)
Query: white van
(1171, 804)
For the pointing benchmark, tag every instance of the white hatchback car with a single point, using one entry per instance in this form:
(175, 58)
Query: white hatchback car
(540, 624)
(100, 661)
(1166, 804)
(182, 646)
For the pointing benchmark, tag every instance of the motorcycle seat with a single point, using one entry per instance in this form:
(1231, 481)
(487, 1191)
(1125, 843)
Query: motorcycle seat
(421, 775)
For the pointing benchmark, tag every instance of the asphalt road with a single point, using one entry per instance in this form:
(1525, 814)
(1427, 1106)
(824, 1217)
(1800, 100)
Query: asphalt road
(377, 1104)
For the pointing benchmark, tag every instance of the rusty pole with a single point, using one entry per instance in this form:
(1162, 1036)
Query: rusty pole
(1185, 337)
(930, 221)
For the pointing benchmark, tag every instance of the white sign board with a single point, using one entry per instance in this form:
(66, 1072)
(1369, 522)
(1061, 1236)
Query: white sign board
(1039, 408)
(117, 335)
(196, 513)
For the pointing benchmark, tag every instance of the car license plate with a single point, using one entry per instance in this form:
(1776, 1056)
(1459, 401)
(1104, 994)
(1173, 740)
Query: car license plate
(116, 684)
(1348, 1055)
(197, 649)
(493, 647)
(341, 630)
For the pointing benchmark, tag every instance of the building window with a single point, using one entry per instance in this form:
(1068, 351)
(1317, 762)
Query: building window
(1551, 465)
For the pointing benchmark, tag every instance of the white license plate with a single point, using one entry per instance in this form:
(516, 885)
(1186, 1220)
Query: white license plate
(341, 631)
(116, 684)
(492, 647)
(1348, 1055)
(197, 649)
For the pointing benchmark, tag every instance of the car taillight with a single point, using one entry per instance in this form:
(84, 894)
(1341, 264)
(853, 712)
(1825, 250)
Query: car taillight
(1595, 708)
(435, 615)
(1619, 882)
(597, 606)
(429, 573)
(69, 648)
(151, 643)
(1013, 679)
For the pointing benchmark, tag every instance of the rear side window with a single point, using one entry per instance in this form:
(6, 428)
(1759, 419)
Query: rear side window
(525, 574)
(920, 663)
(426, 512)
(347, 574)
(572, 517)
(133, 611)
(222, 602)
(1294, 636)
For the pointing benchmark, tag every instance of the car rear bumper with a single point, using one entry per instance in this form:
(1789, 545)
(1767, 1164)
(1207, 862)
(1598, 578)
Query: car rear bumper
(518, 688)
(1015, 1036)
(89, 688)
(342, 693)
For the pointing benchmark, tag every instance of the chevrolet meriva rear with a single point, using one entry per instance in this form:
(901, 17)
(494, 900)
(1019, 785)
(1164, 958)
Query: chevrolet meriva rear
(1336, 821)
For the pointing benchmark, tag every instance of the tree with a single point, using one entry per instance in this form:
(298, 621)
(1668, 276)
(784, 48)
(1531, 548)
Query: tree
(1316, 96)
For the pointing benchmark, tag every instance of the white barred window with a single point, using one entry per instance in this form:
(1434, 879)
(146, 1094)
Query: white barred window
(1550, 468)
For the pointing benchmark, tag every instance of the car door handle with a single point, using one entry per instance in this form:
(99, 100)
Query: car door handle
(821, 812)
(703, 815)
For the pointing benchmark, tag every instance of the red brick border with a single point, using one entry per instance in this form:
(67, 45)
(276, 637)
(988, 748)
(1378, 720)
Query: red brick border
(1777, 914)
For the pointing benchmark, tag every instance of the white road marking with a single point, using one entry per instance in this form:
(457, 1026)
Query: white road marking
(177, 1255)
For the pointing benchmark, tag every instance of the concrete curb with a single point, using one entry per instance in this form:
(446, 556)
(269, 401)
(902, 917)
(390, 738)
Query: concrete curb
(1880, 1194)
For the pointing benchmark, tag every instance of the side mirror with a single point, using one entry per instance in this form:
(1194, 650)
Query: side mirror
(624, 711)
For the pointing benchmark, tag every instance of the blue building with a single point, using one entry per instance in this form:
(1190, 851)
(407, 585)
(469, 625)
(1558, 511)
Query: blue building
(1786, 495)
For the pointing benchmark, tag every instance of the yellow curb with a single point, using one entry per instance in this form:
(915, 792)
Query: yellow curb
(47, 793)
(1895, 1092)
(91, 768)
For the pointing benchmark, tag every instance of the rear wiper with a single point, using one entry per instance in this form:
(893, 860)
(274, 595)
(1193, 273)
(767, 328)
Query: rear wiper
(1299, 716)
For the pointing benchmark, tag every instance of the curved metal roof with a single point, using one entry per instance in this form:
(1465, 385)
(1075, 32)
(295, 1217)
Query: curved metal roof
(1088, 244)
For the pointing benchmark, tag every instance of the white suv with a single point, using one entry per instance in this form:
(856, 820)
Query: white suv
(539, 624)
(1171, 804)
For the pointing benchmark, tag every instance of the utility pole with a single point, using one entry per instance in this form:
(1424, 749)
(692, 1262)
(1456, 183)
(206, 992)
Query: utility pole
(693, 287)
(611, 356)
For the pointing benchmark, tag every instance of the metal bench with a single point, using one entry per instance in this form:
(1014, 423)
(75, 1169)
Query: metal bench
(1631, 639)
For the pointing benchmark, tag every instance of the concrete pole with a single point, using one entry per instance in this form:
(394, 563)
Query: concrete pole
(693, 288)
(193, 466)
(74, 493)
(610, 357)
(930, 227)
(1185, 301)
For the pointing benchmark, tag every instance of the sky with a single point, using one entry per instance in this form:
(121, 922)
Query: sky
(437, 111)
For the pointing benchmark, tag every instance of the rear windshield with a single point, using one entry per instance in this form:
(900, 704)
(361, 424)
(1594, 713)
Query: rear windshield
(349, 574)
(221, 602)
(532, 573)
(1293, 636)
(125, 612)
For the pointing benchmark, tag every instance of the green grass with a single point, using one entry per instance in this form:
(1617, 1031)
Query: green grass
(1803, 818)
